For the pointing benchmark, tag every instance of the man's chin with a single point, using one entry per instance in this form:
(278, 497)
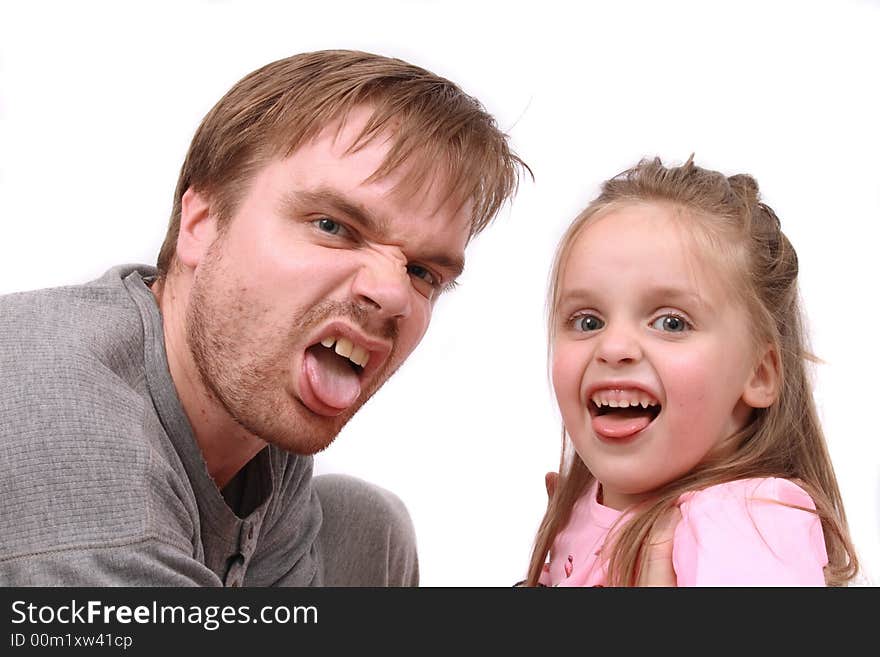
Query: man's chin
(299, 429)
(301, 445)
(311, 433)
(298, 449)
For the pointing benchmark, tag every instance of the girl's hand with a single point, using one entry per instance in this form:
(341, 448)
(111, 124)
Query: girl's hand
(550, 484)
(658, 570)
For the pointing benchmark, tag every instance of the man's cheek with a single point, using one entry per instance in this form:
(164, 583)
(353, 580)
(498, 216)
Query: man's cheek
(415, 330)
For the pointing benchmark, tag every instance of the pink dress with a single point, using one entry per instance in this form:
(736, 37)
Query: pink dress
(734, 534)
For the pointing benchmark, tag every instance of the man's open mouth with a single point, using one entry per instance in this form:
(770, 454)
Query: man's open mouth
(334, 367)
(357, 356)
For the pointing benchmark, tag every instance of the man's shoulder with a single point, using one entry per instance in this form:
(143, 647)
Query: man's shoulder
(70, 311)
(68, 348)
(78, 434)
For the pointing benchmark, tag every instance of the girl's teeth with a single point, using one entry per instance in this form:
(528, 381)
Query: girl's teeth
(643, 401)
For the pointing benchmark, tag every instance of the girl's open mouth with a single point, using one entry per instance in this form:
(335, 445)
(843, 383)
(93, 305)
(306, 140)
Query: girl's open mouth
(617, 416)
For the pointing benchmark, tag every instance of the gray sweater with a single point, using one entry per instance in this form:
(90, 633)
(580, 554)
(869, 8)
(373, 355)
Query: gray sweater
(101, 481)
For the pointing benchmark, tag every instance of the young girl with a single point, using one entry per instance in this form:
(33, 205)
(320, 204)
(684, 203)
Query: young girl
(678, 363)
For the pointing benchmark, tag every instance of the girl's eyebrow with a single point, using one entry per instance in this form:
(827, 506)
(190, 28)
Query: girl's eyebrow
(579, 294)
(679, 296)
(666, 293)
(328, 198)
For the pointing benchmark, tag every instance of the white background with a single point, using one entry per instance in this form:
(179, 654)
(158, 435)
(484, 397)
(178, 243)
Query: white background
(98, 102)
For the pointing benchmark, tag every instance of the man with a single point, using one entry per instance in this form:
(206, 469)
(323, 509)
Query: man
(157, 425)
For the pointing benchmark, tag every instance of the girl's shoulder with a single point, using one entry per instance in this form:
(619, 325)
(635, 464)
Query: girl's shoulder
(756, 532)
(776, 490)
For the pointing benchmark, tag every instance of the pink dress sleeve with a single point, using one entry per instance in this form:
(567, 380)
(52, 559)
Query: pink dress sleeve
(742, 534)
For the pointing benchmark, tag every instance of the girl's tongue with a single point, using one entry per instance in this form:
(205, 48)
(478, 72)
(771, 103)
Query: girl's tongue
(331, 377)
(622, 422)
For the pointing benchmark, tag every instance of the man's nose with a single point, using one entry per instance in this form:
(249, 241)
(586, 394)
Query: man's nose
(619, 345)
(382, 283)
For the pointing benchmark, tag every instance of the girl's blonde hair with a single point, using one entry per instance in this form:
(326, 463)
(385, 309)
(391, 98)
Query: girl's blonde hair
(724, 214)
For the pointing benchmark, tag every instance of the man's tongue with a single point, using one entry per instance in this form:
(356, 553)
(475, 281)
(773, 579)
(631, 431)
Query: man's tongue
(331, 377)
(621, 423)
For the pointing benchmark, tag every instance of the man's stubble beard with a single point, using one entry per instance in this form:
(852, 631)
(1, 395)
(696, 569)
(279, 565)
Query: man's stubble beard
(249, 373)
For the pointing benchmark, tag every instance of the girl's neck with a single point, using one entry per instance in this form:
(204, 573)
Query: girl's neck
(618, 501)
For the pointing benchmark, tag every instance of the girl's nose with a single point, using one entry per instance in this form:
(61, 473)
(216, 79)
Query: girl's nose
(618, 345)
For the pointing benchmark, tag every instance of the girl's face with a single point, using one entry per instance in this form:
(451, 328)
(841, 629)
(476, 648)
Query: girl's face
(652, 356)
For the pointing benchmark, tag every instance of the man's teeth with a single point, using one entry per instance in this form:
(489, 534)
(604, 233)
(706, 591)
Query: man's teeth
(347, 349)
(638, 400)
(344, 347)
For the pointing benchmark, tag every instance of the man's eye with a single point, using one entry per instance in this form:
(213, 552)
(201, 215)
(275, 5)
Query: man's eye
(671, 324)
(424, 281)
(329, 226)
(420, 272)
(587, 323)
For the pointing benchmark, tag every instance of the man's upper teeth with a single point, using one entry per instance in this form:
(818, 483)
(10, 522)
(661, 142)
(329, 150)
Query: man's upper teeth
(346, 348)
(623, 399)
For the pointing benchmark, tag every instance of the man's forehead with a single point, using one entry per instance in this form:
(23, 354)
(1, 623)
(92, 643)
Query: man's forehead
(422, 180)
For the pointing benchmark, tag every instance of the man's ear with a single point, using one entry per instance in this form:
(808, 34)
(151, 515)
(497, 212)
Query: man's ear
(198, 228)
(762, 388)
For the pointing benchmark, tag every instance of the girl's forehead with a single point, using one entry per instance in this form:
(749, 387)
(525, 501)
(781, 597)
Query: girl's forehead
(632, 230)
(656, 224)
(657, 240)
(658, 216)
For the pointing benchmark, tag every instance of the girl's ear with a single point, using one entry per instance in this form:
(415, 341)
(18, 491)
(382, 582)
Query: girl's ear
(198, 228)
(762, 388)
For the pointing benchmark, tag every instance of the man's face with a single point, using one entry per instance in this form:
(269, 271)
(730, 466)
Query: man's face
(319, 288)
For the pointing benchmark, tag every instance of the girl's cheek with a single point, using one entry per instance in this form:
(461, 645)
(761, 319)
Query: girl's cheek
(565, 369)
(688, 387)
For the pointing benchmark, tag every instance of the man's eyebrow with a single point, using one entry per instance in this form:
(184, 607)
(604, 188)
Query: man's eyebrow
(455, 266)
(328, 198)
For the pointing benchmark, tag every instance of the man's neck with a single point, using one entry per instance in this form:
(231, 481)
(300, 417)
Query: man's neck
(225, 445)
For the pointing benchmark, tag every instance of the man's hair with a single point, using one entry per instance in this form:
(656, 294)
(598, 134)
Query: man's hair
(435, 127)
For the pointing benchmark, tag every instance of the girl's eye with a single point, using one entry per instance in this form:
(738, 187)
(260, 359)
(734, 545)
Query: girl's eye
(671, 324)
(587, 323)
